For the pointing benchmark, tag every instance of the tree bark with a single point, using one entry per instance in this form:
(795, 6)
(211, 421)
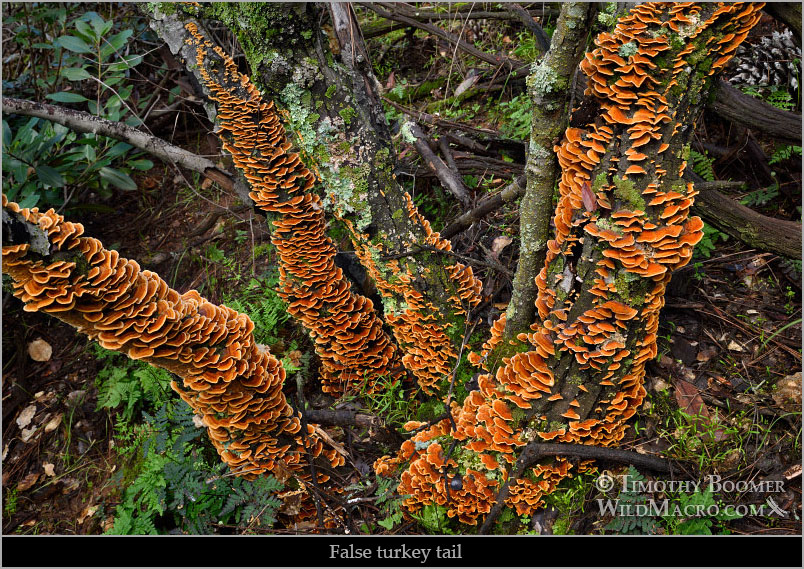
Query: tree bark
(337, 122)
(550, 87)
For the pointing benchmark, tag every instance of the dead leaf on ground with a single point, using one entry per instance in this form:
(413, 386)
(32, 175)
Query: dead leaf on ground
(88, 512)
(24, 418)
(291, 502)
(787, 393)
(39, 350)
(690, 402)
(28, 433)
(53, 424)
(27, 482)
(499, 244)
(735, 347)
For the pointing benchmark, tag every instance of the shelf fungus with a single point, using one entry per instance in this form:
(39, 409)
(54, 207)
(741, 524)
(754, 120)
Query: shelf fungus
(603, 282)
(232, 382)
(347, 334)
(418, 326)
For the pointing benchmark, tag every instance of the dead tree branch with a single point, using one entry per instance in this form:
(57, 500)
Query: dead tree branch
(80, 121)
(534, 452)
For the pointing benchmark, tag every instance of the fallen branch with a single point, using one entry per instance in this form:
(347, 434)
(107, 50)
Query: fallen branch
(381, 28)
(511, 192)
(758, 231)
(731, 104)
(341, 418)
(447, 177)
(524, 16)
(534, 452)
(495, 60)
(433, 120)
(80, 121)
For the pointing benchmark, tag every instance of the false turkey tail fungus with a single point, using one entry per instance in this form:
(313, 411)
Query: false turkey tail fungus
(603, 283)
(345, 329)
(232, 382)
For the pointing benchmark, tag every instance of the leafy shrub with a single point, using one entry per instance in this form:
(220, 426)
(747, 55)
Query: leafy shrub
(44, 163)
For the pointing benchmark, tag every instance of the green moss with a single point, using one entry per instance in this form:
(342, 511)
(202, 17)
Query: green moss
(506, 350)
(330, 91)
(624, 190)
(166, 8)
(347, 114)
(601, 180)
(398, 215)
(575, 380)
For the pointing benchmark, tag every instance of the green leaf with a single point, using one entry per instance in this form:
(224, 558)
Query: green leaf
(142, 164)
(85, 30)
(7, 134)
(126, 62)
(66, 97)
(75, 73)
(101, 26)
(115, 43)
(117, 178)
(49, 176)
(73, 43)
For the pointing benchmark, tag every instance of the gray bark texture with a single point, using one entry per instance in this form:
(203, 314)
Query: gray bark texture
(550, 87)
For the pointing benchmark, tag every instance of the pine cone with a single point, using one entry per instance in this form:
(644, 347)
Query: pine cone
(775, 61)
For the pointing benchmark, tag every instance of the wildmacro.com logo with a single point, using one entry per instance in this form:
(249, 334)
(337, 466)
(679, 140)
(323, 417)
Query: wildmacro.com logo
(667, 507)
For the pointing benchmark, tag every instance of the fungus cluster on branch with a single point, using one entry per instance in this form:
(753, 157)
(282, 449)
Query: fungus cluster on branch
(232, 382)
(418, 325)
(622, 223)
(345, 329)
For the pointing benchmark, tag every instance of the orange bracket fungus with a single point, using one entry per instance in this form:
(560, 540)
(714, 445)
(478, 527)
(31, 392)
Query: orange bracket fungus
(232, 382)
(348, 334)
(603, 283)
(344, 327)
(429, 353)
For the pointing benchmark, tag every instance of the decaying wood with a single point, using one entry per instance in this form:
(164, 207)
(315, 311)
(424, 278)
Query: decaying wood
(447, 176)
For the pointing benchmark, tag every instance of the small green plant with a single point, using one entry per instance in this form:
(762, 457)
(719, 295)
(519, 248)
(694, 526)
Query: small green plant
(784, 152)
(761, 196)
(129, 385)
(707, 244)
(177, 482)
(260, 301)
(516, 116)
(628, 500)
(10, 504)
(702, 165)
(389, 502)
(790, 295)
(434, 519)
(700, 514)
